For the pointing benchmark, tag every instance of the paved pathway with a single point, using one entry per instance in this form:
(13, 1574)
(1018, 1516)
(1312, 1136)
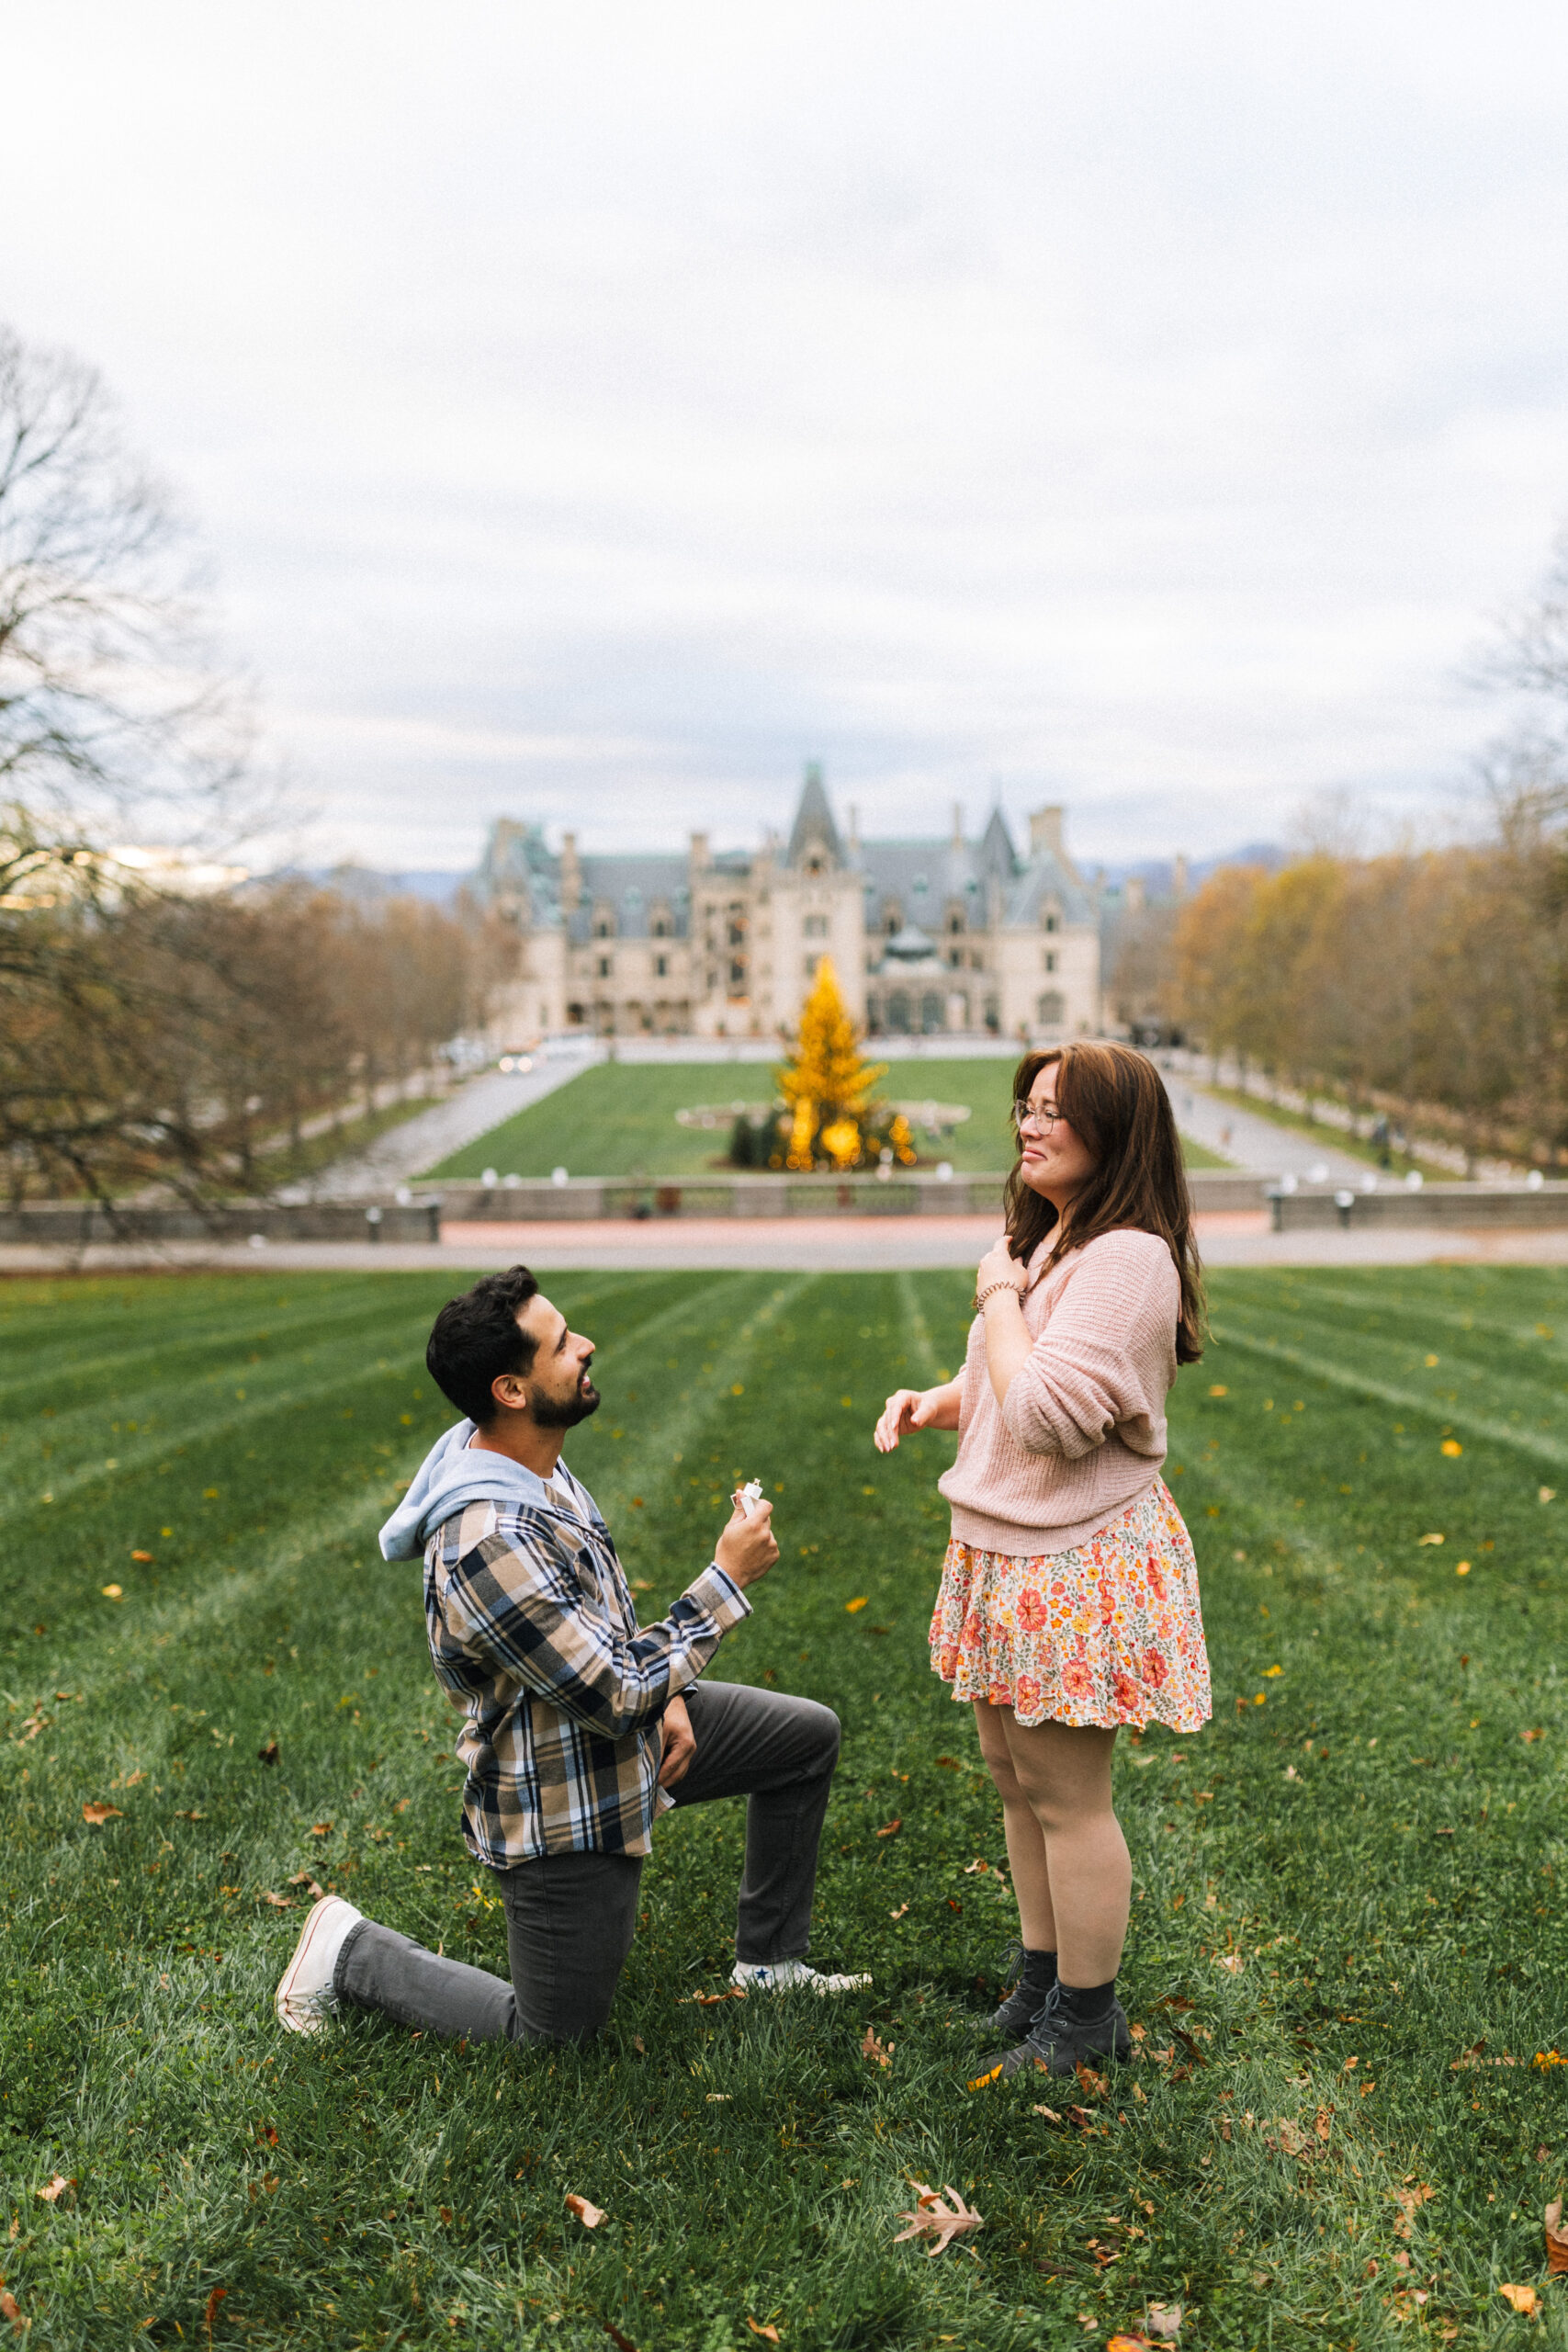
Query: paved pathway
(847, 1244)
(1256, 1143)
(429, 1137)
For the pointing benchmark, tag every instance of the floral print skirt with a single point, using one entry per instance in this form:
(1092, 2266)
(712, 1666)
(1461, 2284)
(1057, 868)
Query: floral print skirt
(1109, 1633)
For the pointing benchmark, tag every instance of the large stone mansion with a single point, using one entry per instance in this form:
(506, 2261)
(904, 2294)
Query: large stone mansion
(926, 936)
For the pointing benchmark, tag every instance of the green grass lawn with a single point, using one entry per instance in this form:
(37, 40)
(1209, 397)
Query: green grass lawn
(1347, 1942)
(618, 1119)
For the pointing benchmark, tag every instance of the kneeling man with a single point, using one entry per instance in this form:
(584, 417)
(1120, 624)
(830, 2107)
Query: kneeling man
(580, 1727)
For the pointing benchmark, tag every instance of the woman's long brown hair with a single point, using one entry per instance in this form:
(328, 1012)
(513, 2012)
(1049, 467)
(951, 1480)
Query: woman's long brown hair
(1114, 1101)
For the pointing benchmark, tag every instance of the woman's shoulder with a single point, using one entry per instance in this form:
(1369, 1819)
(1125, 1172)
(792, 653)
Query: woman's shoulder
(1128, 1251)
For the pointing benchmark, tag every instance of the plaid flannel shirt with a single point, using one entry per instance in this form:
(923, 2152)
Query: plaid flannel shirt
(533, 1634)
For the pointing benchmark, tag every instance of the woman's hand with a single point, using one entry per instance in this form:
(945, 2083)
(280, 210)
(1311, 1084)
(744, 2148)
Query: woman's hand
(680, 1744)
(998, 1265)
(916, 1409)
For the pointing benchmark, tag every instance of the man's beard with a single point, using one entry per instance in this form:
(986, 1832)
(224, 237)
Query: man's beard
(550, 1413)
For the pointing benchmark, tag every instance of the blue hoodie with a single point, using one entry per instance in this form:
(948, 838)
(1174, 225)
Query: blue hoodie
(452, 1475)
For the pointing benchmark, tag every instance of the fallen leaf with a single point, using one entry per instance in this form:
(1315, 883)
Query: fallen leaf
(1428, 1539)
(1556, 2241)
(1231, 1960)
(1451, 1446)
(622, 2343)
(9, 2306)
(949, 1763)
(719, 2098)
(278, 1902)
(937, 2220)
(1048, 2113)
(899, 1913)
(1528, 1737)
(54, 2190)
(1523, 2298)
(638, 2045)
(1093, 2086)
(1219, 1389)
(1546, 1494)
(112, 1592)
(212, 2303)
(762, 2328)
(1411, 2200)
(145, 1559)
(880, 2052)
(589, 2215)
(320, 1830)
(1130, 2343)
(303, 1878)
(976, 1869)
(267, 1755)
(706, 2000)
(1164, 2320)
(98, 1813)
(858, 1602)
(890, 1828)
(195, 1813)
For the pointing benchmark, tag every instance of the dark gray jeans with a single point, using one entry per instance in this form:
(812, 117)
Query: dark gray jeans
(571, 1918)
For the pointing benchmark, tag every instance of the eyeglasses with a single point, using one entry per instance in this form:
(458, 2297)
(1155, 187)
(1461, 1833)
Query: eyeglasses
(1024, 1113)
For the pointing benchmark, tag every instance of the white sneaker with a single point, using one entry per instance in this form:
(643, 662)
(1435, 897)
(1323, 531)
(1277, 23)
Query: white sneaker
(305, 1990)
(790, 1977)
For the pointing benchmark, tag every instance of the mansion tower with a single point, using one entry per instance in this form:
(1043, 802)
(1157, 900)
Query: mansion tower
(926, 936)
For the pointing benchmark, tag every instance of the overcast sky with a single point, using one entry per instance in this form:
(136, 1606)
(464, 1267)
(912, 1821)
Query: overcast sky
(594, 412)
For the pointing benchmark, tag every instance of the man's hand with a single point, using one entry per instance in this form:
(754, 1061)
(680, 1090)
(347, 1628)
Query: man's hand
(747, 1550)
(680, 1744)
(916, 1409)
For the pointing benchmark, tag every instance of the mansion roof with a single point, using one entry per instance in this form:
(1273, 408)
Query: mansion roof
(917, 879)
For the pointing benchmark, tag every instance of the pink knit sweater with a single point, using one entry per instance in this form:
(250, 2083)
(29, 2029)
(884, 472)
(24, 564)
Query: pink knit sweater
(1082, 1428)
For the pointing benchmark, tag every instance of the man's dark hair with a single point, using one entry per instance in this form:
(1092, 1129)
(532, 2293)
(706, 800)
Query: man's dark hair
(476, 1339)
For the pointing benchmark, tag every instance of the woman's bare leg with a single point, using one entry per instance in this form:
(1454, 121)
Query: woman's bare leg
(1026, 1846)
(1063, 1774)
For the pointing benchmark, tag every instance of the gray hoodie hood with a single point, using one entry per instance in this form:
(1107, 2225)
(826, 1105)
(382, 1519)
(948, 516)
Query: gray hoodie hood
(450, 1477)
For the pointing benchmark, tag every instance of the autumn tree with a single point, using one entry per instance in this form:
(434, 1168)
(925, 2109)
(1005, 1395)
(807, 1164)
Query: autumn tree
(826, 1085)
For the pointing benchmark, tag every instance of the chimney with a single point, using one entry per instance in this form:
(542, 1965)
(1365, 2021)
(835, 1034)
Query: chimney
(1046, 831)
(958, 824)
(570, 874)
(1179, 884)
(699, 851)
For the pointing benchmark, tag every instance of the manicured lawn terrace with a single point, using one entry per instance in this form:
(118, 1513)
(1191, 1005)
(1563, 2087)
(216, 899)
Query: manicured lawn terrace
(618, 1119)
(1347, 1942)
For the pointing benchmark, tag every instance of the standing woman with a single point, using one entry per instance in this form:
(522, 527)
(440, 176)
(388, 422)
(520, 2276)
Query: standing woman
(1069, 1594)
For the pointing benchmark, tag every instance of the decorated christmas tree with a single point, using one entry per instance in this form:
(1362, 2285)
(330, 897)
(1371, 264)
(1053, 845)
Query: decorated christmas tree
(832, 1119)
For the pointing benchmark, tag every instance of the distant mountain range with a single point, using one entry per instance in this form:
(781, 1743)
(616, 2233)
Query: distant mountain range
(440, 888)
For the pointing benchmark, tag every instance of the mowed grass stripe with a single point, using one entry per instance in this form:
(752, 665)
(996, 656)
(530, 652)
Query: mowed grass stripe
(751, 2161)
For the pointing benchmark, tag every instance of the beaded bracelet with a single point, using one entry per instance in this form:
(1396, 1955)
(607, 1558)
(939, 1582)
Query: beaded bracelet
(981, 1295)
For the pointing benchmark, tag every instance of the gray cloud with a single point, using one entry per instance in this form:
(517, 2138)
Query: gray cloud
(596, 412)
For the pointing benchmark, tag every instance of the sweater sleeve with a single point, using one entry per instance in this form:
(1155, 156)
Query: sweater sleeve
(1107, 1356)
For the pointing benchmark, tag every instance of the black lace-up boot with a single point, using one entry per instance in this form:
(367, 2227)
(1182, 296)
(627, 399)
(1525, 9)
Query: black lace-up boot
(1036, 1976)
(1079, 2026)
